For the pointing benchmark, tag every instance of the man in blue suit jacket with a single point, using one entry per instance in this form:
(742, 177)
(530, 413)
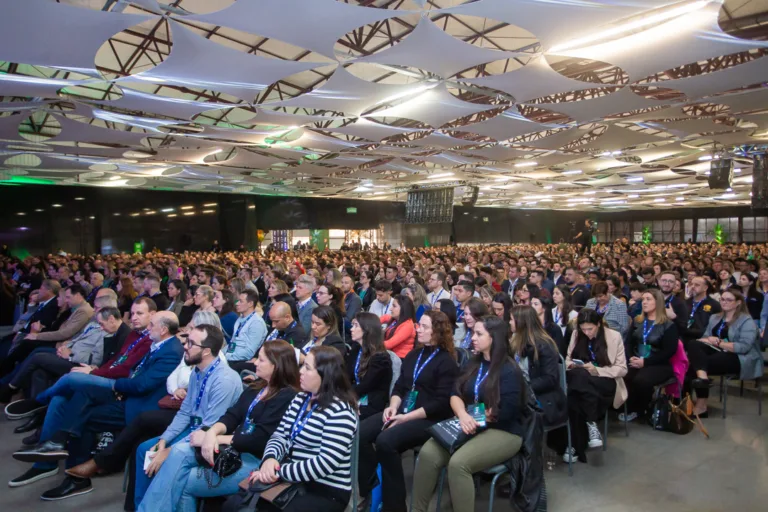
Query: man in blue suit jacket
(103, 409)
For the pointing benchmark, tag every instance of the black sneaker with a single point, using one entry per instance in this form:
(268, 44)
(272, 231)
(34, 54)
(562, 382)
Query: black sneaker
(69, 488)
(23, 409)
(33, 475)
(32, 440)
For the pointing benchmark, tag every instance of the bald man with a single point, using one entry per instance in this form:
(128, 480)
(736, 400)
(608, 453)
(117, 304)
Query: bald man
(285, 327)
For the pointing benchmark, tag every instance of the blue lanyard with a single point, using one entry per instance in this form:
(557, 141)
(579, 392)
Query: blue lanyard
(591, 352)
(479, 380)
(459, 313)
(88, 329)
(467, 339)
(302, 417)
(387, 308)
(437, 297)
(646, 331)
(357, 367)
(253, 404)
(273, 335)
(242, 324)
(309, 346)
(720, 329)
(130, 347)
(695, 307)
(418, 369)
(558, 315)
(668, 300)
(208, 373)
(601, 311)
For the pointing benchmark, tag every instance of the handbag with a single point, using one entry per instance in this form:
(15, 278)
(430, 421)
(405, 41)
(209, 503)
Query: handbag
(668, 416)
(449, 435)
(279, 494)
(225, 463)
(169, 402)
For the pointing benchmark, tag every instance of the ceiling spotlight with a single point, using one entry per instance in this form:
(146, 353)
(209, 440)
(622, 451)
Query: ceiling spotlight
(634, 179)
(187, 207)
(548, 187)
(79, 199)
(681, 198)
(209, 205)
(705, 158)
(571, 172)
(526, 164)
(91, 217)
(39, 210)
(21, 213)
(632, 196)
(56, 205)
(659, 200)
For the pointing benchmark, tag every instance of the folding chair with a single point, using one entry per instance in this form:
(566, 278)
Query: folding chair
(726, 379)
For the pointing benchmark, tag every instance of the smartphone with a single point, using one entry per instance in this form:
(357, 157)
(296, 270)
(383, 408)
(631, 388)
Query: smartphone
(577, 362)
(387, 424)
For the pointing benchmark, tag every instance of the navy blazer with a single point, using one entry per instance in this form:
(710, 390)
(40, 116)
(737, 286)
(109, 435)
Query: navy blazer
(147, 387)
(45, 315)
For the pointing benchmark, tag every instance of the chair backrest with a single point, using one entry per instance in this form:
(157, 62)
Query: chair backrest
(563, 380)
(396, 364)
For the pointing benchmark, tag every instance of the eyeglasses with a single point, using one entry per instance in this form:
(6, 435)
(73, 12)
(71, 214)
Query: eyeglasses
(723, 299)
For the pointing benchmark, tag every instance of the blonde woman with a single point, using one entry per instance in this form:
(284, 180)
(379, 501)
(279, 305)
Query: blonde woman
(416, 293)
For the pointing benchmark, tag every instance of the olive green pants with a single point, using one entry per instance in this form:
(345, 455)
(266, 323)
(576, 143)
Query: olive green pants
(483, 451)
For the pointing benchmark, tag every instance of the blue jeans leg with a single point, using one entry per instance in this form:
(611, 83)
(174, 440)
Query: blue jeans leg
(197, 486)
(53, 420)
(72, 382)
(143, 482)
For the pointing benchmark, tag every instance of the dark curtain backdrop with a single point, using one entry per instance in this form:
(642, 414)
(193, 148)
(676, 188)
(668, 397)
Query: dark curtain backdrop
(113, 220)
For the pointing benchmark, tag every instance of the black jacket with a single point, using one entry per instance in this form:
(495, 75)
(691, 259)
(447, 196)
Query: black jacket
(113, 344)
(544, 375)
(266, 416)
(294, 335)
(335, 341)
(46, 315)
(579, 296)
(434, 385)
(374, 384)
(696, 326)
(368, 297)
(662, 339)
(681, 311)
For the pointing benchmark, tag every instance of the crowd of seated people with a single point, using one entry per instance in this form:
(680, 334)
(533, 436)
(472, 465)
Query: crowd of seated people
(162, 365)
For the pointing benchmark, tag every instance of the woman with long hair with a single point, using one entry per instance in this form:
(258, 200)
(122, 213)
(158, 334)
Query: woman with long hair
(474, 310)
(447, 307)
(125, 296)
(333, 277)
(368, 364)
(276, 287)
(219, 282)
(752, 297)
(224, 303)
(399, 330)
(652, 343)
(420, 399)
(298, 452)
(329, 295)
(365, 289)
(563, 313)
(237, 286)
(416, 293)
(730, 346)
(502, 306)
(543, 308)
(615, 289)
(177, 293)
(246, 426)
(486, 295)
(325, 331)
(489, 394)
(596, 364)
(725, 280)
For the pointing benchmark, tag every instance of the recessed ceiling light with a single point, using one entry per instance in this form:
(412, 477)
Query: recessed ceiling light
(659, 200)
(635, 178)
(209, 211)
(39, 210)
(172, 215)
(166, 210)
(56, 205)
(189, 213)
(187, 207)
(705, 158)
(572, 172)
(91, 217)
(209, 205)
(681, 198)
(21, 213)
(79, 199)
(116, 214)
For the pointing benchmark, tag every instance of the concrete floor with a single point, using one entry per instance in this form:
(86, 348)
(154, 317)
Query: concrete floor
(647, 471)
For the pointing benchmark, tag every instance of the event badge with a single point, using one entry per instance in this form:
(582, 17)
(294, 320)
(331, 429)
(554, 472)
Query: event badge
(477, 411)
(363, 401)
(644, 350)
(690, 323)
(231, 347)
(250, 427)
(410, 401)
(122, 359)
(195, 421)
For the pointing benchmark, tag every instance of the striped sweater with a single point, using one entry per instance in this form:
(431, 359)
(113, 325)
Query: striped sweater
(322, 451)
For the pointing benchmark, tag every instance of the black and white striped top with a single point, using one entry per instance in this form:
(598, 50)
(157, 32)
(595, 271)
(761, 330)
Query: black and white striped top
(322, 451)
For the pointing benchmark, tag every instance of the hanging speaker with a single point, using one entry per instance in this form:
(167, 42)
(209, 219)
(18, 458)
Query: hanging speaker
(470, 198)
(760, 181)
(721, 173)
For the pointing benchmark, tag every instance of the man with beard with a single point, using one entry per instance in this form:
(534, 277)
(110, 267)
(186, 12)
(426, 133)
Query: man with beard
(701, 307)
(579, 293)
(675, 306)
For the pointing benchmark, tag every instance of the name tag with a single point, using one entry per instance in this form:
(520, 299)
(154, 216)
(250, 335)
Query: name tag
(195, 422)
(122, 359)
(644, 350)
(410, 401)
(231, 347)
(248, 428)
(477, 411)
(363, 401)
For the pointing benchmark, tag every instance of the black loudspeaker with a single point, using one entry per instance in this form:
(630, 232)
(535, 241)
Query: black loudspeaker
(760, 181)
(721, 173)
(471, 198)
(429, 206)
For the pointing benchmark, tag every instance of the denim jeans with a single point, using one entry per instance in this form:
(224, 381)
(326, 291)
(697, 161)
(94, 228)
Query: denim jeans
(142, 480)
(180, 482)
(72, 382)
(20, 367)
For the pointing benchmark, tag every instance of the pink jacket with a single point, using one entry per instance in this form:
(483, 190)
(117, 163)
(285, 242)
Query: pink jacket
(679, 364)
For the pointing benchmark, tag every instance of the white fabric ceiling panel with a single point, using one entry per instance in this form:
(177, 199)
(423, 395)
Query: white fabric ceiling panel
(449, 159)
(71, 36)
(616, 138)
(250, 160)
(534, 80)
(159, 105)
(430, 48)
(370, 130)
(691, 126)
(32, 87)
(9, 126)
(83, 132)
(441, 140)
(12, 106)
(624, 100)
(199, 62)
(555, 21)
(278, 118)
(507, 125)
(315, 140)
(497, 153)
(690, 38)
(233, 134)
(558, 140)
(434, 107)
(750, 101)
(344, 92)
(749, 73)
(311, 24)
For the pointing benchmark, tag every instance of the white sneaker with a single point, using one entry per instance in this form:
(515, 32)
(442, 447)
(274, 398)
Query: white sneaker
(628, 418)
(595, 439)
(570, 456)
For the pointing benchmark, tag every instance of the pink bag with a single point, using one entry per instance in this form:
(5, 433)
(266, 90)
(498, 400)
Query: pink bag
(679, 364)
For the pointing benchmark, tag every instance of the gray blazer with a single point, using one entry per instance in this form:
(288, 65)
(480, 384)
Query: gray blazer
(305, 316)
(175, 307)
(743, 334)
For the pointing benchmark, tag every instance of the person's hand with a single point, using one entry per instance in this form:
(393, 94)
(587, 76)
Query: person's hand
(249, 378)
(399, 419)
(31, 336)
(189, 302)
(180, 394)
(64, 352)
(36, 327)
(197, 438)
(158, 454)
(636, 362)
(670, 313)
(209, 448)
(468, 424)
(83, 368)
(388, 413)
(592, 369)
(267, 473)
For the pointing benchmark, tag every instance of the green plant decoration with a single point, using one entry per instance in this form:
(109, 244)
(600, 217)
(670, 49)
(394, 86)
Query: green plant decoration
(647, 235)
(719, 235)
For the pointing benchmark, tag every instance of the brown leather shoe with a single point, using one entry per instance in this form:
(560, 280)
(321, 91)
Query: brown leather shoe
(85, 470)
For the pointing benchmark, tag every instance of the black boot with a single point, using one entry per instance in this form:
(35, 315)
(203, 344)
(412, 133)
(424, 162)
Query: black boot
(31, 424)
